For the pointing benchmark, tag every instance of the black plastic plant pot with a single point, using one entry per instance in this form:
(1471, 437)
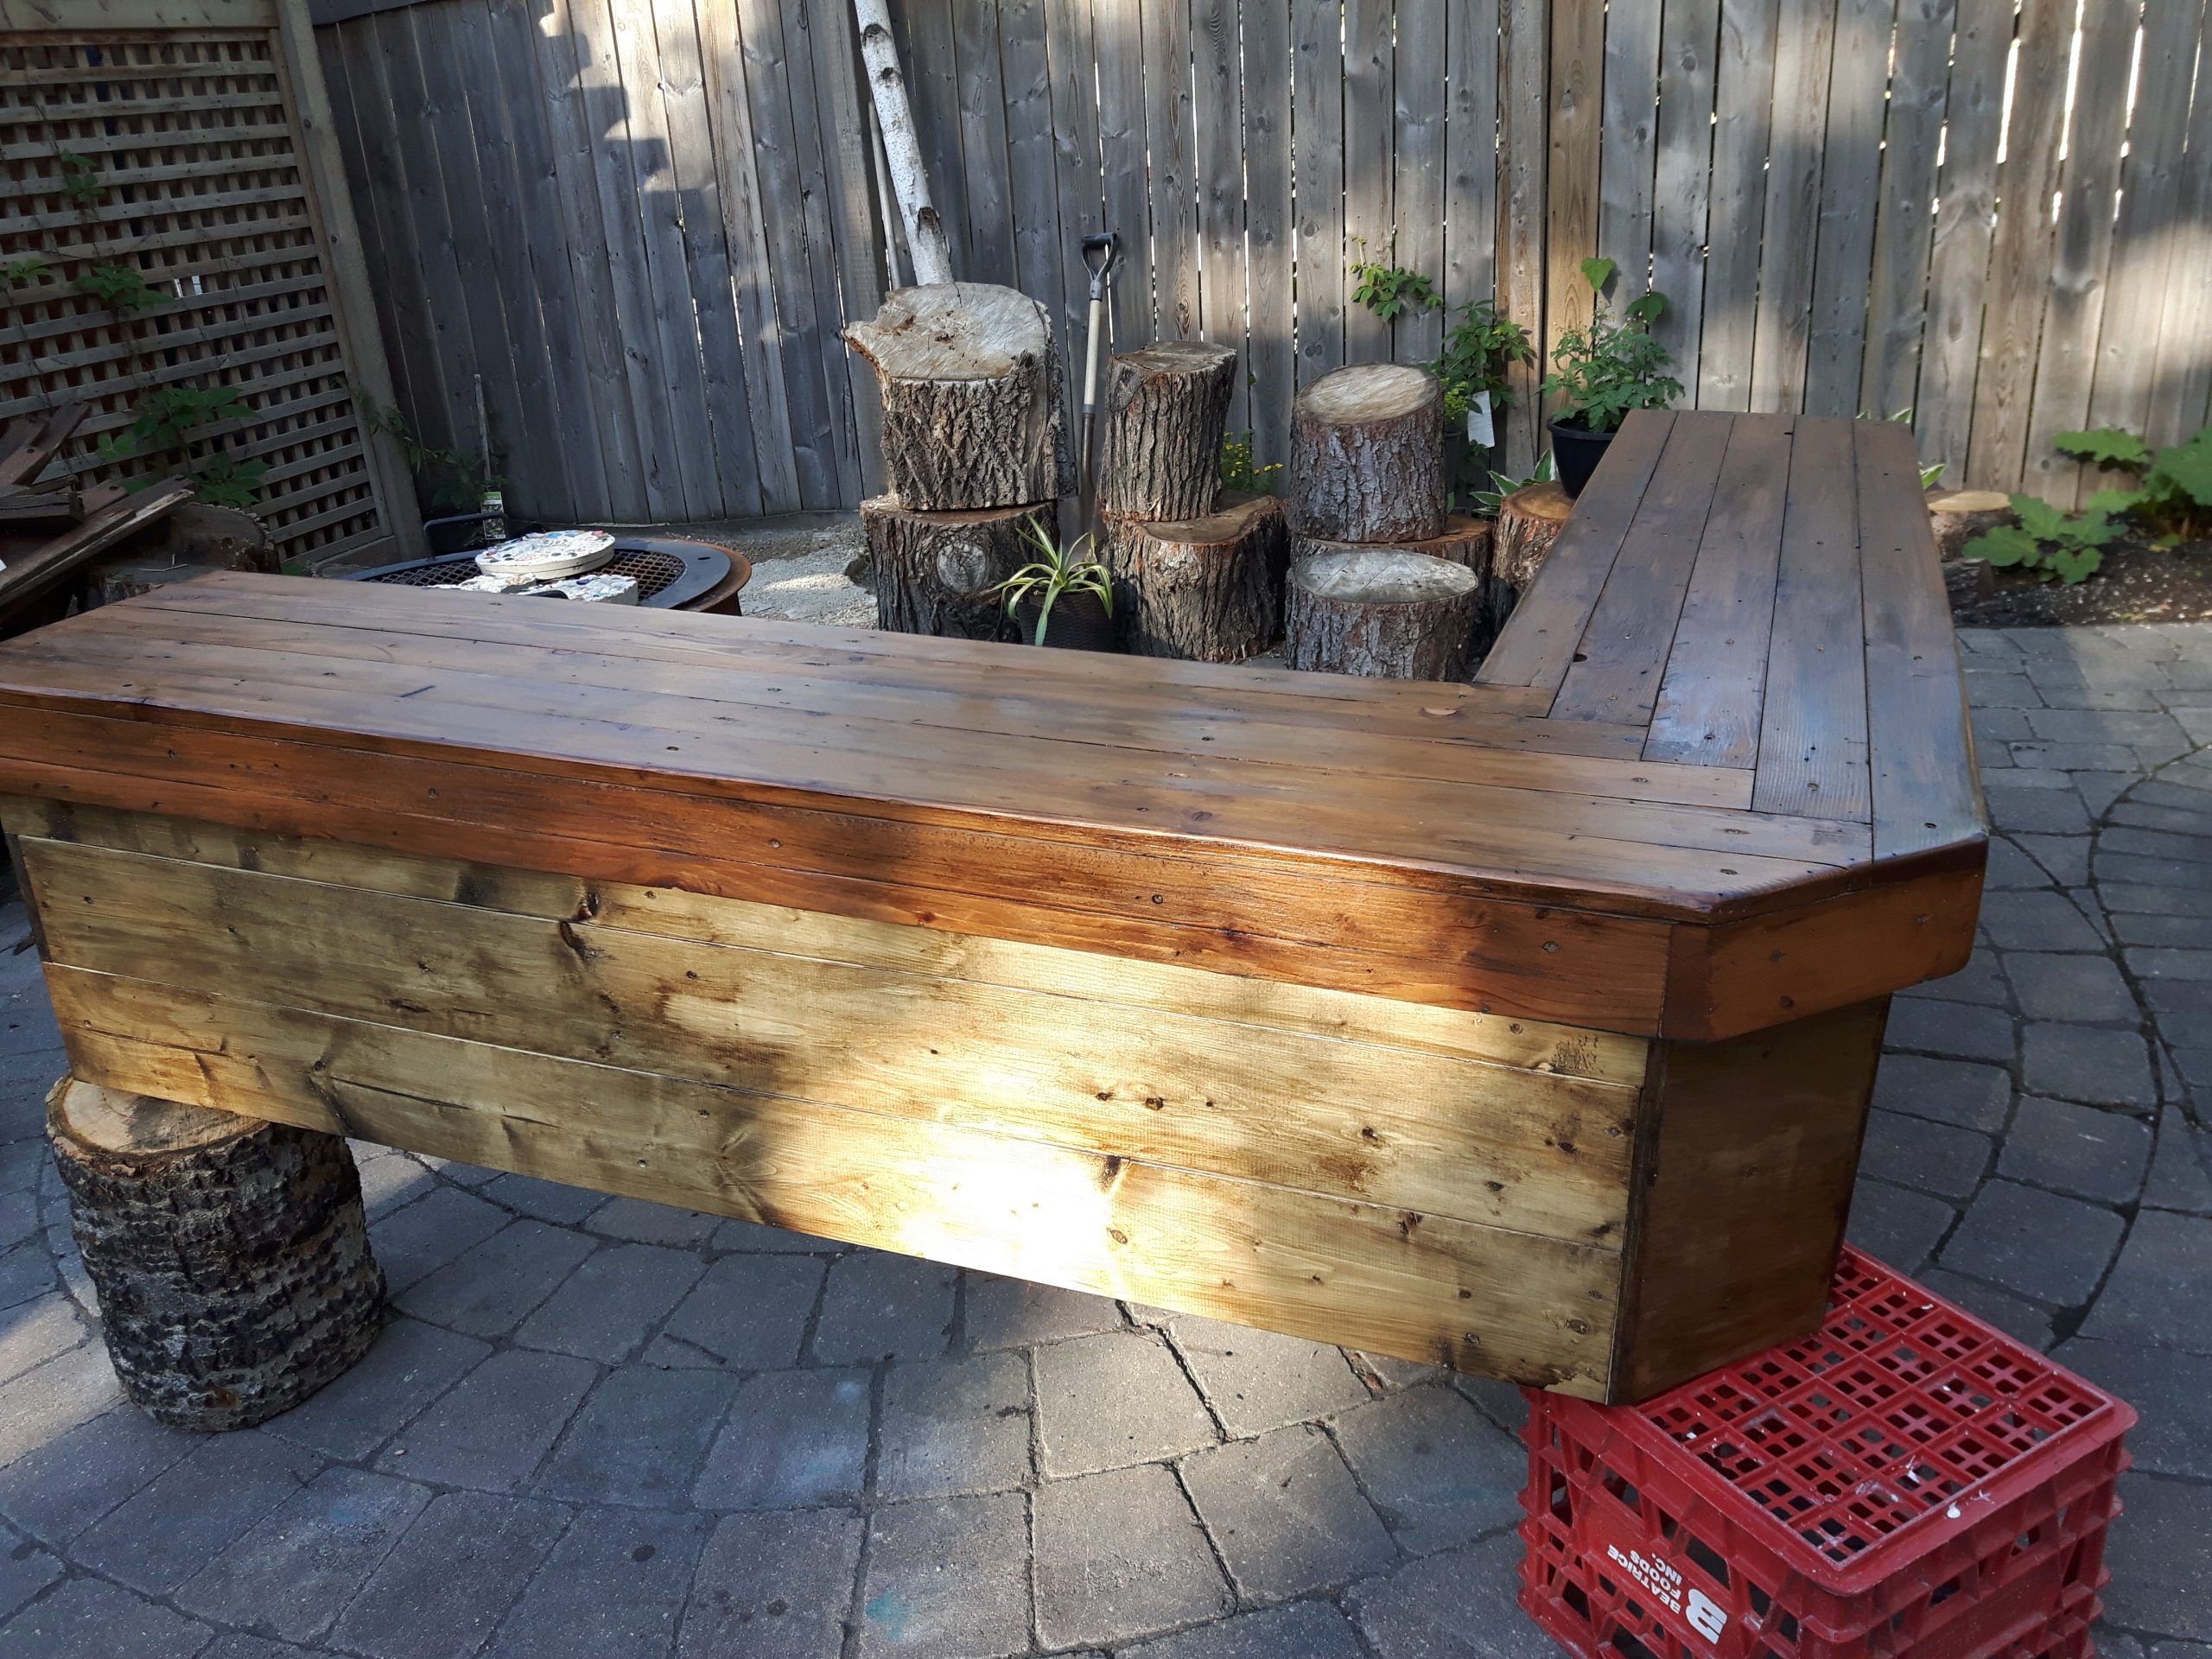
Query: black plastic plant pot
(1078, 621)
(1576, 451)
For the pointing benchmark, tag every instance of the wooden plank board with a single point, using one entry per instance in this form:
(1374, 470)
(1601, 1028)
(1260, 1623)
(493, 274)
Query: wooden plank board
(1219, 119)
(1682, 181)
(1032, 175)
(1904, 224)
(982, 116)
(1269, 372)
(1318, 148)
(1115, 34)
(1628, 145)
(1813, 734)
(931, 65)
(1472, 153)
(851, 216)
(1171, 138)
(1571, 169)
(1804, 47)
(1524, 79)
(1849, 183)
(1370, 137)
(1080, 83)
(1419, 174)
(2180, 393)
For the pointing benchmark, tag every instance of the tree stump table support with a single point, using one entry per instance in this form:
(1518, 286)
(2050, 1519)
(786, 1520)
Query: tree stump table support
(1466, 541)
(1529, 522)
(1166, 410)
(934, 571)
(230, 1255)
(1208, 589)
(1367, 456)
(1958, 516)
(1382, 614)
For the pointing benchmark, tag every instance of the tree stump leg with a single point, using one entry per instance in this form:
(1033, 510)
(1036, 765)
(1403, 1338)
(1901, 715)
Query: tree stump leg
(1529, 522)
(933, 571)
(229, 1255)
(1207, 590)
(1382, 614)
(1958, 516)
(1166, 409)
(1367, 456)
(1466, 541)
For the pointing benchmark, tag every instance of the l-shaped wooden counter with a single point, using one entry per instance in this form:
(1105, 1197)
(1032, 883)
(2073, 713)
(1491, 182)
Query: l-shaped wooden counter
(1526, 1027)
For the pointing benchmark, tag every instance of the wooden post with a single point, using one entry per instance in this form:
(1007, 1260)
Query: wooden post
(933, 571)
(230, 1255)
(972, 412)
(1208, 590)
(1367, 456)
(1385, 614)
(1166, 409)
(1529, 522)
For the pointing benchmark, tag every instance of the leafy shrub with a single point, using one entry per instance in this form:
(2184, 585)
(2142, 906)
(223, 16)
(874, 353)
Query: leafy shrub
(1478, 350)
(2048, 542)
(2174, 499)
(1388, 289)
(122, 289)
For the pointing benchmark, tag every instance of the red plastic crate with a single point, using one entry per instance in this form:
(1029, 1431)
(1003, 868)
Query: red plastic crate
(1905, 1481)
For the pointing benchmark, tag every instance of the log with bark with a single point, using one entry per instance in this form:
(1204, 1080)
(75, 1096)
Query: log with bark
(1367, 456)
(932, 571)
(1958, 516)
(1382, 614)
(1207, 590)
(1466, 541)
(196, 540)
(1166, 409)
(1529, 522)
(230, 1255)
(971, 398)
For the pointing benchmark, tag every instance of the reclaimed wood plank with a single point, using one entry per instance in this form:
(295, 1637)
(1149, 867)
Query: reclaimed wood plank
(1472, 153)
(1628, 144)
(1218, 117)
(1904, 223)
(1682, 180)
(1079, 81)
(848, 212)
(1318, 148)
(1117, 37)
(983, 117)
(1369, 138)
(1269, 372)
(1850, 188)
(1804, 49)
(1523, 108)
(2180, 393)
(1572, 180)
(1419, 176)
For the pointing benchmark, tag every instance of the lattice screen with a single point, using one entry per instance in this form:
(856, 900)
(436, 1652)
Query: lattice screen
(177, 153)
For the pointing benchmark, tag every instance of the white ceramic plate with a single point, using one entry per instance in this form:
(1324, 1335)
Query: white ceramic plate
(547, 554)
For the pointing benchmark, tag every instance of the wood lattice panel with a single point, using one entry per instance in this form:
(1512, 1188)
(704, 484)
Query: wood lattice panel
(188, 143)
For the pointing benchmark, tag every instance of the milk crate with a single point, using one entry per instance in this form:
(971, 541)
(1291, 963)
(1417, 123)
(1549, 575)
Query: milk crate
(1905, 1482)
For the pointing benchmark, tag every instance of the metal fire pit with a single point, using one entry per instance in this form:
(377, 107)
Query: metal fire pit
(670, 575)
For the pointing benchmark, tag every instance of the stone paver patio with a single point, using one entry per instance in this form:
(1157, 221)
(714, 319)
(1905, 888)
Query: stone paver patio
(598, 1427)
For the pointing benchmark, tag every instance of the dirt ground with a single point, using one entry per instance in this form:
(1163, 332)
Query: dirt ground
(2138, 583)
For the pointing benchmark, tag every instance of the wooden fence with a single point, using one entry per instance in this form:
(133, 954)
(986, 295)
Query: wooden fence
(641, 222)
(172, 215)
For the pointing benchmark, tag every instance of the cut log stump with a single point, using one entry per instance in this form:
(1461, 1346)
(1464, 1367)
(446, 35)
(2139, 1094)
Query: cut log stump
(1529, 522)
(1961, 515)
(230, 1255)
(195, 541)
(971, 398)
(1367, 456)
(1207, 590)
(1466, 541)
(933, 571)
(1166, 409)
(1382, 614)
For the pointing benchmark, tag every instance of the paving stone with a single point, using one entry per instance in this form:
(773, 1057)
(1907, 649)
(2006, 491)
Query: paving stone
(35, 1331)
(292, 1574)
(25, 1569)
(2048, 1249)
(1256, 1380)
(751, 1236)
(1285, 1514)
(2178, 1178)
(614, 1588)
(792, 1439)
(746, 1313)
(2130, 869)
(878, 1306)
(644, 1223)
(2161, 1558)
(2152, 734)
(639, 1438)
(88, 1619)
(2161, 1292)
(947, 1578)
(491, 1431)
(1502, 1402)
(236, 1646)
(2189, 932)
(2166, 962)
(2171, 1390)
(1300, 1630)
(1437, 1471)
(2193, 818)
(411, 1365)
(2009, 867)
(2086, 1062)
(497, 1284)
(1119, 1555)
(2015, 1316)
(2188, 848)
(1457, 1605)
(954, 1426)
(412, 1243)
(68, 1482)
(2037, 921)
(26, 1272)
(2155, 899)
(19, 1218)
(1400, 1373)
(1994, 726)
(554, 1201)
(2077, 1149)
(1917, 1152)
(1898, 1227)
(469, 1175)
(2065, 858)
(2075, 757)
(1998, 688)
(2070, 987)
(1957, 1092)
(2184, 1005)
(1014, 1313)
(388, 1180)
(447, 1584)
(1106, 1401)
(2039, 811)
(1965, 1033)
(610, 1304)
(194, 1510)
(774, 1586)
(1981, 981)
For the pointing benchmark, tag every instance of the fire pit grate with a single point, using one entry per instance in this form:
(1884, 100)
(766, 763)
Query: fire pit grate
(668, 574)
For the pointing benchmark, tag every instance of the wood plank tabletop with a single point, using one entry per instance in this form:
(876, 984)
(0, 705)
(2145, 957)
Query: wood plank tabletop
(1725, 725)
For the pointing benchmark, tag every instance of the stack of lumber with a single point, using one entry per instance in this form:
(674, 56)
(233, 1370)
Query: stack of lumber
(49, 532)
(1198, 570)
(976, 444)
(1384, 582)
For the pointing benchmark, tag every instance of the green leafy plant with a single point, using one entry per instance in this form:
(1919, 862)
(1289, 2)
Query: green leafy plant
(122, 289)
(168, 419)
(1389, 289)
(1479, 351)
(1605, 372)
(223, 481)
(80, 179)
(445, 480)
(2048, 542)
(1487, 502)
(29, 269)
(1598, 272)
(1057, 571)
(2173, 498)
(1240, 469)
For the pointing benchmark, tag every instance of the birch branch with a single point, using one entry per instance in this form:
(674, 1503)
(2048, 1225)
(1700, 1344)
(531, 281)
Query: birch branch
(925, 240)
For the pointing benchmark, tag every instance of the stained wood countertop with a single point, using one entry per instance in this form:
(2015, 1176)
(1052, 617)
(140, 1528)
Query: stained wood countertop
(1716, 775)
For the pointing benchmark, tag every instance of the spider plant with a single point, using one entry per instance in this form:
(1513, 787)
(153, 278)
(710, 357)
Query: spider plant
(1058, 570)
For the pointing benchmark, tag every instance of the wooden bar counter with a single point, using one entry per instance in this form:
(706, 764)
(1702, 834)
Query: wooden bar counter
(1526, 1027)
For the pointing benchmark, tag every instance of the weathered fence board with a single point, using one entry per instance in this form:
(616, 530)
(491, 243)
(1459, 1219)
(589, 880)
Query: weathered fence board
(1826, 190)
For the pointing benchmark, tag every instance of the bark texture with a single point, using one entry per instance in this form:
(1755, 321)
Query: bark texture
(1166, 409)
(932, 570)
(229, 1255)
(1207, 590)
(195, 540)
(971, 398)
(1382, 614)
(1958, 516)
(1367, 456)
(1529, 523)
(1466, 541)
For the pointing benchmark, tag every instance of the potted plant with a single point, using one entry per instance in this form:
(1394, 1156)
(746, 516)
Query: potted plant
(1480, 351)
(1063, 598)
(1601, 373)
